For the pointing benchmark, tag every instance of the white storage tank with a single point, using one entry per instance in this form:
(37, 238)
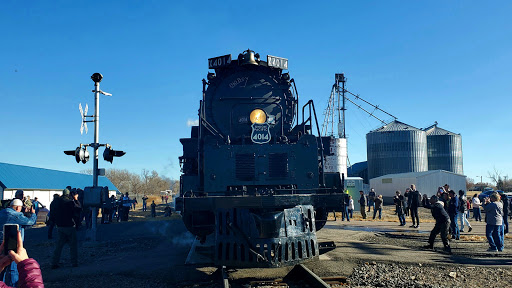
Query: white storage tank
(337, 162)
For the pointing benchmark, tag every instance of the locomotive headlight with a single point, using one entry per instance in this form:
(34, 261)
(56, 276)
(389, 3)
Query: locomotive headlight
(258, 116)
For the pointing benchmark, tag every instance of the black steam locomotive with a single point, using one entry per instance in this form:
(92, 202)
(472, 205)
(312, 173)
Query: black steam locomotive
(253, 175)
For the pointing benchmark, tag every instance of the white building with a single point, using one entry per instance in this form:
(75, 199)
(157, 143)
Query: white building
(426, 183)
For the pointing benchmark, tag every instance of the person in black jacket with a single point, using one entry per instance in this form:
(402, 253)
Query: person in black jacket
(414, 203)
(504, 200)
(65, 221)
(345, 203)
(442, 224)
(362, 204)
(399, 205)
(51, 215)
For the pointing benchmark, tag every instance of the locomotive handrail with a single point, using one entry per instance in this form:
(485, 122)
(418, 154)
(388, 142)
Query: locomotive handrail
(310, 104)
(296, 104)
(210, 128)
(204, 122)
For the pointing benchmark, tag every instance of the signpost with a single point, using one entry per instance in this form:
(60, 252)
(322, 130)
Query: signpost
(82, 155)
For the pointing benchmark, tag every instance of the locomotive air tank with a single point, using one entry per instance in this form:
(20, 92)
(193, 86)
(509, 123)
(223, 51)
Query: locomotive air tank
(253, 173)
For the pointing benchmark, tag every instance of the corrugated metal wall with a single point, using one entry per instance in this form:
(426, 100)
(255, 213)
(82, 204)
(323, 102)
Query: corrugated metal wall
(393, 152)
(426, 183)
(445, 153)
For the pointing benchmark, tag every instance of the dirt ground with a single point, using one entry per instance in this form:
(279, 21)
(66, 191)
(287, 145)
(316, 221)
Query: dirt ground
(150, 252)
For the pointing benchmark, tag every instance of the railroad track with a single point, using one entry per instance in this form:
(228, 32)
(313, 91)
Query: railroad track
(299, 276)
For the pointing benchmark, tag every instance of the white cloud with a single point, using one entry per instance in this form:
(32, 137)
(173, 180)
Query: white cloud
(191, 122)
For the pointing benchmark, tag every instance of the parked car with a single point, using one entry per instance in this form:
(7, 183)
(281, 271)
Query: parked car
(488, 193)
(485, 194)
(42, 216)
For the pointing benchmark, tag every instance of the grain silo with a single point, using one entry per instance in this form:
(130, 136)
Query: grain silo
(396, 148)
(444, 150)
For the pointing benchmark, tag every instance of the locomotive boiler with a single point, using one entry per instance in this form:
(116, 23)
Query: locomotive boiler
(253, 176)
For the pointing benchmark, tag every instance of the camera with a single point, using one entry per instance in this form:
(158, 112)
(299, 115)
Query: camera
(10, 238)
(96, 77)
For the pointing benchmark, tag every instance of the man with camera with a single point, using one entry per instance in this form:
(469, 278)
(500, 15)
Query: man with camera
(14, 215)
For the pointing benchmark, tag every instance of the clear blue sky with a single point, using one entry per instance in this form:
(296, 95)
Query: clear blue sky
(422, 61)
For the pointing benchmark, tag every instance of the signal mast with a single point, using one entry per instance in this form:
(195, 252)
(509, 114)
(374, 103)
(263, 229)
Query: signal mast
(94, 196)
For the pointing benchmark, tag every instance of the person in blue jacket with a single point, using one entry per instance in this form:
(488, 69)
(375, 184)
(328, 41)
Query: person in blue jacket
(453, 211)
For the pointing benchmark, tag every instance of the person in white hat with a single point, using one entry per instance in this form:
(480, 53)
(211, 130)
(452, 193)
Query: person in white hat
(13, 215)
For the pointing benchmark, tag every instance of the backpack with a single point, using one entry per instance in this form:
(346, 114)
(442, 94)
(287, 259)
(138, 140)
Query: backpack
(462, 204)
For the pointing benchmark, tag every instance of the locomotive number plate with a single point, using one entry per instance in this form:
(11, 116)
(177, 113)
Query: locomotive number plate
(220, 61)
(260, 133)
(278, 62)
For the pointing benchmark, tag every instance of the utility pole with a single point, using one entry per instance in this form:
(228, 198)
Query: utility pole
(481, 183)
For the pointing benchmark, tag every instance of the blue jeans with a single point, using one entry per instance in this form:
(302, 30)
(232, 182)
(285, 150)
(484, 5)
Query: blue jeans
(401, 217)
(454, 226)
(345, 214)
(371, 203)
(351, 213)
(477, 214)
(144, 207)
(375, 213)
(494, 234)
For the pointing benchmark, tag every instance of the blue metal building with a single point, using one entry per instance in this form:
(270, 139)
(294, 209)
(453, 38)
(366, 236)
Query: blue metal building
(43, 183)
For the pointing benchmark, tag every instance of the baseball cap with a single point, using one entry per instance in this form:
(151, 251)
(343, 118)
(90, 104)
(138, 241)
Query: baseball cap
(16, 202)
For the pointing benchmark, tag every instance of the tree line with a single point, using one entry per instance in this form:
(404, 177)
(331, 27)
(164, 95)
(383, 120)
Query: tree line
(499, 181)
(145, 183)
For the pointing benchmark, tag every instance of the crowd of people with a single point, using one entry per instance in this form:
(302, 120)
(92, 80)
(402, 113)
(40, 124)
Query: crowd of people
(451, 211)
(68, 215)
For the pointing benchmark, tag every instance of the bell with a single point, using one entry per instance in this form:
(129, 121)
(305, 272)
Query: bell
(247, 58)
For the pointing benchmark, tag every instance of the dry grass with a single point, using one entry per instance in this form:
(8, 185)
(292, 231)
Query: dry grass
(473, 238)
(388, 215)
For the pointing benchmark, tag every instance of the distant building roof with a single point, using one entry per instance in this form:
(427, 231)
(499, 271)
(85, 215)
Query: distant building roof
(357, 168)
(24, 177)
(416, 174)
(395, 126)
(434, 131)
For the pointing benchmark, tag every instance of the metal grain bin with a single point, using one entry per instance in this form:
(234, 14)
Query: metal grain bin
(444, 150)
(396, 148)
